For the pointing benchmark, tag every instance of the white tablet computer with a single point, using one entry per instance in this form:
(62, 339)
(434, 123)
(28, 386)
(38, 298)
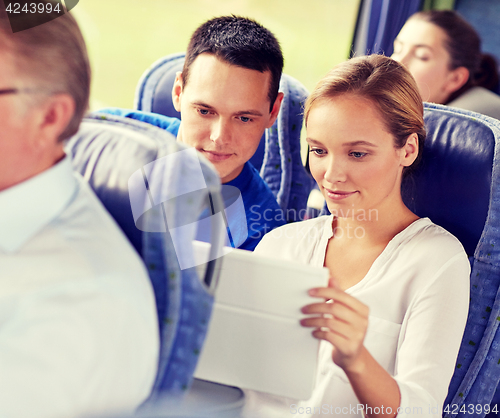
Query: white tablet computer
(254, 338)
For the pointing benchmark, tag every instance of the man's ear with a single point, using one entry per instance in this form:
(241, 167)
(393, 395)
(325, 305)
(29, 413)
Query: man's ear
(53, 117)
(456, 79)
(177, 91)
(409, 152)
(275, 110)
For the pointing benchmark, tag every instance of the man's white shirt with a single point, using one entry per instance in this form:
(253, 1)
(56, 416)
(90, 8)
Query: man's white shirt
(78, 323)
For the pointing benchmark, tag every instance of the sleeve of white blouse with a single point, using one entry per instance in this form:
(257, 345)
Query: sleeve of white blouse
(433, 331)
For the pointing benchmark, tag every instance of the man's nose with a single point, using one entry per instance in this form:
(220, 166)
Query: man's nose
(220, 132)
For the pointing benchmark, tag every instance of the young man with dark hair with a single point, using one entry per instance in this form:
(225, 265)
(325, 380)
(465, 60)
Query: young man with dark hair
(78, 324)
(227, 94)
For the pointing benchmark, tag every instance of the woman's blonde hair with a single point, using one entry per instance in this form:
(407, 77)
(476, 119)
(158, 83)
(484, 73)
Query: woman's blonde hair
(388, 85)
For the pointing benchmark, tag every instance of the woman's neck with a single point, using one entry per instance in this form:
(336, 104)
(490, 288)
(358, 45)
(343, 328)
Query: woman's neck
(372, 226)
(357, 241)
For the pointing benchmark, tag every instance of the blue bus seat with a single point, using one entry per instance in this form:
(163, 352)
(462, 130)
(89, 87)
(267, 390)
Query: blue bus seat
(154, 90)
(114, 155)
(452, 182)
(278, 157)
(457, 185)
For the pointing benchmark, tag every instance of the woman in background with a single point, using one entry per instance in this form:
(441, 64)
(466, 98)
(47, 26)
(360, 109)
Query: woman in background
(392, 318)
(443, 53)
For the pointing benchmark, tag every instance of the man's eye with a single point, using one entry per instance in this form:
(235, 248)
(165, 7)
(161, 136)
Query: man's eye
(245, 119)
(203, 111)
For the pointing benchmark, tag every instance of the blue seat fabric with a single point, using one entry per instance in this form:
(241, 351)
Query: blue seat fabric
(459, 147)
(458, 187)
(107, 150)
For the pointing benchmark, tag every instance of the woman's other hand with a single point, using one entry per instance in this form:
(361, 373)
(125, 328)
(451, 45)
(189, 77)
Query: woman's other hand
(340, 319)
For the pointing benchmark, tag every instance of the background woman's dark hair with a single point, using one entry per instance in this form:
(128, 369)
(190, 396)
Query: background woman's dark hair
(388, 85)
(464, 47)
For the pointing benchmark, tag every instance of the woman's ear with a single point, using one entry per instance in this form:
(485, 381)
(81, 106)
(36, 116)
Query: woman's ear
(456, 79)
(410, 150)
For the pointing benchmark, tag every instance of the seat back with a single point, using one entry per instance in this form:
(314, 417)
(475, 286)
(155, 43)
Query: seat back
(452, 183)
(278, 157)
(458, 186)
(154, 90)
(152, 185)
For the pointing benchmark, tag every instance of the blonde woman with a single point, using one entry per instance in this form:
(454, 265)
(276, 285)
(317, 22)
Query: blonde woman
(392, 318)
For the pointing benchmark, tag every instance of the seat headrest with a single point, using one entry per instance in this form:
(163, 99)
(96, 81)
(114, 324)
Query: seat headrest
(154, 90)
(452, 184)
(107, 150)
(155, 188)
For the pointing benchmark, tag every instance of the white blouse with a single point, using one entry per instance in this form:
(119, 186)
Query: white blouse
(418, 294)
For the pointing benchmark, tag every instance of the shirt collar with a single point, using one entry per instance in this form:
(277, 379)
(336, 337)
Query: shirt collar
(28, 206)
(242, 179)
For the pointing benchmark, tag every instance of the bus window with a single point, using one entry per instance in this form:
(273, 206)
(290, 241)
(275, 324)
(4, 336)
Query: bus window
(125, 37)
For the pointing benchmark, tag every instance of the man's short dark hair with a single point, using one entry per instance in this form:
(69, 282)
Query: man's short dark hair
(238, 41)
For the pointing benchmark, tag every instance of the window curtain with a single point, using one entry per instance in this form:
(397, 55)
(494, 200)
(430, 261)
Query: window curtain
(379, 22)
(438, 4)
